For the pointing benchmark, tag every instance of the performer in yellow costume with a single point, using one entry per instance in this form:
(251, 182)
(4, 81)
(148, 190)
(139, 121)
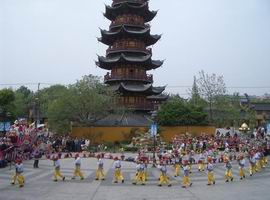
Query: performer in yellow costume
(18, 174)
(210, 170)
(77, 170)
(163, 178)
(57, 172)
(117, 171)
(100, 172)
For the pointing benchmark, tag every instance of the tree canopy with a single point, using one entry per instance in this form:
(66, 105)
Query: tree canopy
(22, 102)
(179, 112)
(7, 98)
(82, 103)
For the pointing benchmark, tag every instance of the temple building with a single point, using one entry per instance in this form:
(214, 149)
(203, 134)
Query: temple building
(129, 56)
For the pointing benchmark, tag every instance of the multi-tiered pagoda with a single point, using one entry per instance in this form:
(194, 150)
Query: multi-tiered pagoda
(129, 57)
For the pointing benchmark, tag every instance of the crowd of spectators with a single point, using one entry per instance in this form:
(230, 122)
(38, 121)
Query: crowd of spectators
(68, 144)
(220, 142)
(24, 140)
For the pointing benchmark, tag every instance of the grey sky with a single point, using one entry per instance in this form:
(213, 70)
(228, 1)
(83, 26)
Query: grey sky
(54, 41)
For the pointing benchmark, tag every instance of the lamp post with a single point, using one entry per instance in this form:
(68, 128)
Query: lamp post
(154, 135)
(37, 111)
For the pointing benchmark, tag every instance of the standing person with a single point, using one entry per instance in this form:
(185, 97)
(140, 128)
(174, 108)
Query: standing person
(57, 172)
(190, 160)
(228, 172)
(261, 161)
(163, 178)
(117, 171)
(241, 163)
(77, 170)
(186, 181)
(140, 175)
(177, 165)
(100, 172)
(264, 159)
(210, 170)
(145, 169)
(252, 164)
(36, 154)
(76, 143)
(201, 161)
(18, 173)
(137, 172)
(258, 158)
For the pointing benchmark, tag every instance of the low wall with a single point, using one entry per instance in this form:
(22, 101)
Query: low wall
(118, 134)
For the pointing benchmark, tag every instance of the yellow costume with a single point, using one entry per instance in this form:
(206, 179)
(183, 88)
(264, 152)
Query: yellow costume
(18, 174)
(57, 172)
(228, 172)
(186, 181)
(210, 174)
(77, 170)
(117, 171)
(100, 172)
(140, 176)
(163, 178)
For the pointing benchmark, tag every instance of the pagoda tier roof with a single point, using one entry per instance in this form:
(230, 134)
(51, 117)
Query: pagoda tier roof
(108, 37)
(160, 97)
(146, 61)
(130, 8)
(147, 89)
(135, 2)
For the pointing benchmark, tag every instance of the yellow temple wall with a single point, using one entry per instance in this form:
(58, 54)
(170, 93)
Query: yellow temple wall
(119, 134)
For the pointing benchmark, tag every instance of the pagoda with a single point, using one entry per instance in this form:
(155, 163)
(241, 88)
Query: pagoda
(128, 57)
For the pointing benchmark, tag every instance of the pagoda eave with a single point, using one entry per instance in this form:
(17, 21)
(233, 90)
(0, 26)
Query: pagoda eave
(146, 89)
(109, 37)
(145, 61)
(159, 97)
(134, 2)
(127, 8)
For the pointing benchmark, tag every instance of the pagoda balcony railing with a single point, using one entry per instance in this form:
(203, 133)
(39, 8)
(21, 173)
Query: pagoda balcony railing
(129, 49)
(139, 106)
(133, 1)
(114, 24)
(146, 78)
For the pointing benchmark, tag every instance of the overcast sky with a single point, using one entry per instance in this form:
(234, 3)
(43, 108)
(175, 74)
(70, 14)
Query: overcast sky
(54, 41)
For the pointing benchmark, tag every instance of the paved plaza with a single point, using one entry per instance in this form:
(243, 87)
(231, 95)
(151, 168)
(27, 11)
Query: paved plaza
(40, 186)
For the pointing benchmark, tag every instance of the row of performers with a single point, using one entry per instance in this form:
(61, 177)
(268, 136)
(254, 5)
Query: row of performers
(255, 165)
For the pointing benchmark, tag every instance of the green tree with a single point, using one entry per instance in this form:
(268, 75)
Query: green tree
(60, 112)
(46, 96)
(179, 112)
(7, 98)
(226, 111)
(84, 103)
(22, 103)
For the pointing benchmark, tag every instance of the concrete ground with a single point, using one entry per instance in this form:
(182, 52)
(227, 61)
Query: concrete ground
(40, 186)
